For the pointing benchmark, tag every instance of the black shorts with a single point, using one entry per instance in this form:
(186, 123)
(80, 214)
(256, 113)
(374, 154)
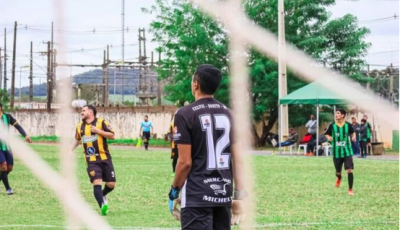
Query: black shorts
(347, 161)
(103, 170)
(146, 135)
(6, 156)
(215, 218)
(174, 153)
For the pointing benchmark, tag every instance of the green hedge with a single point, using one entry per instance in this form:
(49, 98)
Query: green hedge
(125, 141)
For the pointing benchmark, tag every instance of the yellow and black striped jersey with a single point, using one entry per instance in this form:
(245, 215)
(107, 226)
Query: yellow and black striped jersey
(171, 132)
(94, 145)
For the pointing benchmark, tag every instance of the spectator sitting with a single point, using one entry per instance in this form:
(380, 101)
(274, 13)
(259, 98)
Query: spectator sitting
(307, 138)
(311, 145)
(293, 136)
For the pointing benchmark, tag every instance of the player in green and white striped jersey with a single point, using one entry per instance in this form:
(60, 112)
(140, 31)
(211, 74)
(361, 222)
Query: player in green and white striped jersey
(339, 133)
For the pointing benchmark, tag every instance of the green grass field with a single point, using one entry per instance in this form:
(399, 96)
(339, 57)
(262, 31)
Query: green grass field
(291, 193)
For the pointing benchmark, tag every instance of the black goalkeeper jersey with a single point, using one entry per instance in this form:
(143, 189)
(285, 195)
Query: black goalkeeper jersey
(206, 125)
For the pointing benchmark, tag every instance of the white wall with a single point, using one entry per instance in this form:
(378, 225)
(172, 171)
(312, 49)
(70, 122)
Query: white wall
(125, 123)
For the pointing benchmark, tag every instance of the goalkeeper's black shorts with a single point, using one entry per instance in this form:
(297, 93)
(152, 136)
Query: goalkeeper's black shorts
(206, 218)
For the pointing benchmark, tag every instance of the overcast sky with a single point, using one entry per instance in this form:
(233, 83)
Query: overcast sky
(104, 16)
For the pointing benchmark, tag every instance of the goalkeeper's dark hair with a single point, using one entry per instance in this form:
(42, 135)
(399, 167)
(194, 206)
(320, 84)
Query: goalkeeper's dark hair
(91, 107)
(209, 78)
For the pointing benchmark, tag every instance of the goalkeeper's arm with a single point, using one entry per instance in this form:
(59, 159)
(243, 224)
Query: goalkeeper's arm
(238, 178)
(238, 168)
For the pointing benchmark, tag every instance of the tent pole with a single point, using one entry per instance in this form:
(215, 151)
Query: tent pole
(317, 136)
(280, 128)
(334, 112)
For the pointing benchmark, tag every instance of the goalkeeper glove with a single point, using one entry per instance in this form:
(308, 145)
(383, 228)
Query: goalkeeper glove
(173, 195)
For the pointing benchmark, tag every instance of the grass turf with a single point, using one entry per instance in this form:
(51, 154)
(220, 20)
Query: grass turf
(156, 142)
(292, 193)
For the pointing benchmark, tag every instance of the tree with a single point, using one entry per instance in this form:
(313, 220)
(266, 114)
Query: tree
(346, 47)
(88, 94)
(188, 38)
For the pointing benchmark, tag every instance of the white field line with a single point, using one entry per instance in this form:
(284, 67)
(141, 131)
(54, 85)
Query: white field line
(270, 225)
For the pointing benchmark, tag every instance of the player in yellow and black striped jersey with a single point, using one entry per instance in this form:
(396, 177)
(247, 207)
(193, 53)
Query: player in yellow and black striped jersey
(174, 147)
(95, 146)
(93, 133)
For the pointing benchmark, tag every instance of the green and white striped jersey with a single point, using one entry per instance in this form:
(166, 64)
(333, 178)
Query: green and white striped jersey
(341, 139)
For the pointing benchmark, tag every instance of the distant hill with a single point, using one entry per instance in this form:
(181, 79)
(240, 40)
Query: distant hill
(131, 82)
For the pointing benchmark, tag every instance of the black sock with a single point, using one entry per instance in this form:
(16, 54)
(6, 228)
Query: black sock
(351, 179)
(98, 194)
(146, 145)
(339, 176)
(4, 178)
(369, 150)
(107, 190)
(174, 162)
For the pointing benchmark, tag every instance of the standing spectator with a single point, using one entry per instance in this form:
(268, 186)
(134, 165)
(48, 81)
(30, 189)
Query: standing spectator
(147, 128)
(312, 127)
(356, 145)
(369, 131)
(363, 138)
(293, 136)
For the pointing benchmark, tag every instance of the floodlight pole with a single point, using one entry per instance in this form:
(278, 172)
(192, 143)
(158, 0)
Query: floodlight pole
(282, 78)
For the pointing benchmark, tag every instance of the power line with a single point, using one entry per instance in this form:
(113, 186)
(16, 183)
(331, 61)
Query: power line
(373, 0)
(93, 31)
(380, 65)
(10, 32)
(95, 49)
(384, 52)
(81, 32)
(23, 25)
(389, 18)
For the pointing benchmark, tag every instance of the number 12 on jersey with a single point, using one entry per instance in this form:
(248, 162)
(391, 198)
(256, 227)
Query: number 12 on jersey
(215, 158)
